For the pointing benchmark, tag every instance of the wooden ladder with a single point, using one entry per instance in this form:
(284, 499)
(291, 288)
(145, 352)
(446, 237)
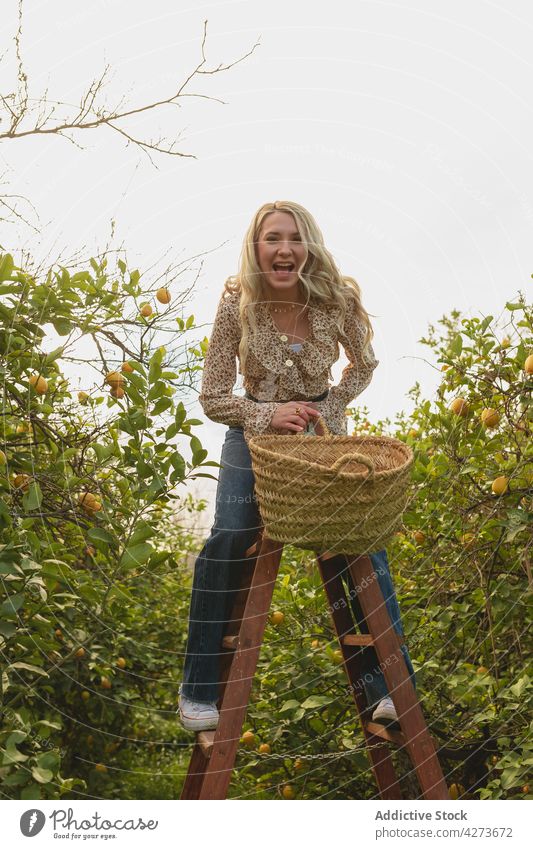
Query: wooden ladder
(214, 753)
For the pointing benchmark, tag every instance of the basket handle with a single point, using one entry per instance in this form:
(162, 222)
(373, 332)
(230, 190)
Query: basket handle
(321, 420)
(361, 458)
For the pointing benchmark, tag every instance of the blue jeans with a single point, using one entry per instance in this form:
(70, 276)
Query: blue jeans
(216, 580)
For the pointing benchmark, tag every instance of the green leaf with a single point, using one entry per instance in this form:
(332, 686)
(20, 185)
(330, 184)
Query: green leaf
(317, 701)
(12, 604)
(136, 555)
(7, 629)
(6, 267)
(43, 776)
(291, 704)
(199, 456)
(514, 307)
(103, 452)
(181, 414)
(48, 760)
(457, 344)
(161, 405)
(33, 499)
(158, 558)
(156, 487)
(142, 532)
(29, 667)
(154, 372)
(171, 430)
(62, 326)
(521, 685)
(11, 753)
(196, 445)
(100, 535)
(53, 355)
(511, 777)
(32, 791)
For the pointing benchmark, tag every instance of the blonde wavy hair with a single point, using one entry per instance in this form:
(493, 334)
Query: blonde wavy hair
(319, 275)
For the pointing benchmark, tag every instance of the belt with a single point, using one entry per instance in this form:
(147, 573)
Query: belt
(318, 398)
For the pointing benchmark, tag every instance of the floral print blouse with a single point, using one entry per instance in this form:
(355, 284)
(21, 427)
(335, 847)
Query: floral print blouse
(276, 372)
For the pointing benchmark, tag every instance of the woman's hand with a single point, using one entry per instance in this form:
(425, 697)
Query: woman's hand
(288, 421)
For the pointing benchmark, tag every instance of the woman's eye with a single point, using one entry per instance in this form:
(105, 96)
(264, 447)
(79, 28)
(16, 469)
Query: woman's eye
(273, 239)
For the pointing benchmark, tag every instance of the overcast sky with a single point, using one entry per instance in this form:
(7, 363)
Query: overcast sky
(404, 127)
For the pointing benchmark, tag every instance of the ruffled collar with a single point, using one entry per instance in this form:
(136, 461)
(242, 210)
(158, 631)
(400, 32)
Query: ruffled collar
(318, 352)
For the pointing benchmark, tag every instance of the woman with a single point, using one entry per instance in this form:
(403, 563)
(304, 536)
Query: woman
(282, 317)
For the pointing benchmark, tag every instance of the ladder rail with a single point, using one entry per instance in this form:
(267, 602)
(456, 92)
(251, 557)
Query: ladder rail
(418, 741)
(214, 753)
(216, 769)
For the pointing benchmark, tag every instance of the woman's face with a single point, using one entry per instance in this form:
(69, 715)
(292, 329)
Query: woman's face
(279, 243)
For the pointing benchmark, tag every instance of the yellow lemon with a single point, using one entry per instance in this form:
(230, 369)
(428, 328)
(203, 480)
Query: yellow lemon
(456, 790)
(489, 417)
(248, 738)
(114, 378)
(500, 485)
(460, 407)
(86, 500)
(22, 482)
(39, 383)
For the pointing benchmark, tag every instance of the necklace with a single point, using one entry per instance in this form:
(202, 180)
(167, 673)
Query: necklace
(279, 309)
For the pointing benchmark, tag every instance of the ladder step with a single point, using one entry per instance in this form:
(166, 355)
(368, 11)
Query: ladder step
(357, 640)
(254, 548)
(230, 642)
(205, 740)
(388, 734)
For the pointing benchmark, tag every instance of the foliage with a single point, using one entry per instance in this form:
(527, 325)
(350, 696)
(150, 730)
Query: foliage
(93, 621)
(464, 585)
(87, 495)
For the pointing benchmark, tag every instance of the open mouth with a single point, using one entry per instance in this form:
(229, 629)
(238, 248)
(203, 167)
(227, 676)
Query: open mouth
(283, 267)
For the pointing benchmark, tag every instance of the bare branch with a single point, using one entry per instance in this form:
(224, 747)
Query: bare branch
(90, 116)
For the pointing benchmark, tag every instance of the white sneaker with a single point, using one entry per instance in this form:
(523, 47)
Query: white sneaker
(197, 716)
(385, 711)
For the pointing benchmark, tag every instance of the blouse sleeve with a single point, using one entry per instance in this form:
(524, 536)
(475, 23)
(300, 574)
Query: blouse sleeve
(220, 374)
(357, 375)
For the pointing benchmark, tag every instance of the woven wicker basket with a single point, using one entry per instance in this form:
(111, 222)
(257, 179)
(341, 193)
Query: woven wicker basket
(343, 494)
